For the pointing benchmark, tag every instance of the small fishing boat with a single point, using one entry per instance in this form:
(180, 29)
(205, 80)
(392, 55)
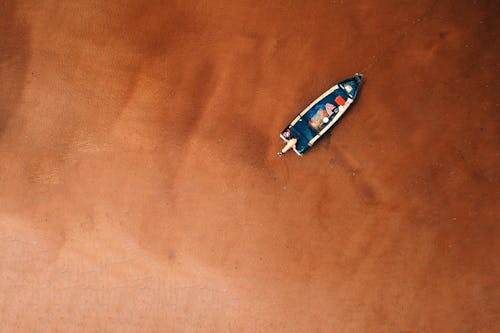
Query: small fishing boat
(320, 116)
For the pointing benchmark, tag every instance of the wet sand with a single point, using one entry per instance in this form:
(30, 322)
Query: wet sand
(140, 188)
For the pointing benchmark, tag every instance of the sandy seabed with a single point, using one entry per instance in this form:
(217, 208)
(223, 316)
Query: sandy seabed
(140, 188)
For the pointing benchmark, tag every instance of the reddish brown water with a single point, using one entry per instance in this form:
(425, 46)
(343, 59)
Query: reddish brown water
(140, 188)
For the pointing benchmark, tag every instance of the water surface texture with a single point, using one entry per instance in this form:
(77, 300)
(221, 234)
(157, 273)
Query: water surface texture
(140, 188)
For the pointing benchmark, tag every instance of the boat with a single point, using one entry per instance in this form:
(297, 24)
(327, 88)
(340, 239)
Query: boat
(320, 116)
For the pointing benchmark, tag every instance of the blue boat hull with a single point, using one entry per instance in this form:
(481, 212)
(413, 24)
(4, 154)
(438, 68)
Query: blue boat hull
(322, 114)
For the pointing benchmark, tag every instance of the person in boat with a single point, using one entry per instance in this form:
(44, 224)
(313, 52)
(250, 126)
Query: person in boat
(330, 109)
(291, 143)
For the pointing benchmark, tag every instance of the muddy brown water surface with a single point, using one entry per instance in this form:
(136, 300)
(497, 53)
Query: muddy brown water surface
(140, 188)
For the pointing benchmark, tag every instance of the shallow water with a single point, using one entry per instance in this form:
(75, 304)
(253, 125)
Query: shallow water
(140, 188)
